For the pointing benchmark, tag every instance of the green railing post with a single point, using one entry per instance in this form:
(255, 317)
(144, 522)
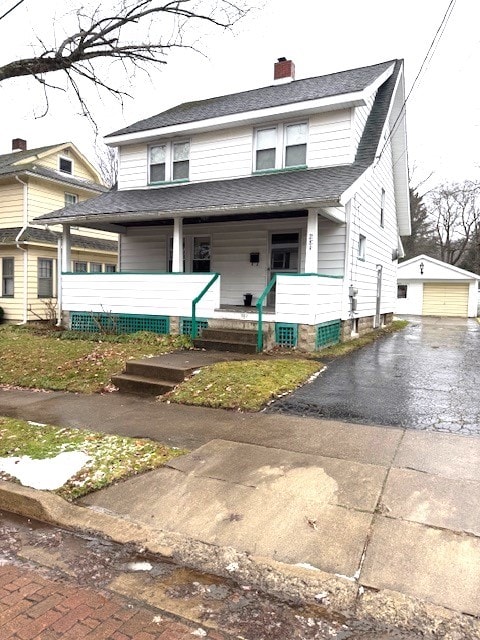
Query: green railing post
(194, 330)
(259, 305)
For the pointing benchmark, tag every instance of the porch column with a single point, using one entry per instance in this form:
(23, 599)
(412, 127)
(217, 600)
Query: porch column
(177, 256)
(63, 264)
(311, 248)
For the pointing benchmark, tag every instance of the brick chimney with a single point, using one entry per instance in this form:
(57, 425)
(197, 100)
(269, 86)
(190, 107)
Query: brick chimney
(18, 144)
(284, 70)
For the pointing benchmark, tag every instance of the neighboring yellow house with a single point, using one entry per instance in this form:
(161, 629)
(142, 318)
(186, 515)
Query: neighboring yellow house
(34, 182)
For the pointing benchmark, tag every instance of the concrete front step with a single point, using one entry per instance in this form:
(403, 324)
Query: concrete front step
(150, 368)
(247, 336)
(142, 385)
(224, 345)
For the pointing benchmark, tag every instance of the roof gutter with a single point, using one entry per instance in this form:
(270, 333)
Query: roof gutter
(24, 249)
(120, 217)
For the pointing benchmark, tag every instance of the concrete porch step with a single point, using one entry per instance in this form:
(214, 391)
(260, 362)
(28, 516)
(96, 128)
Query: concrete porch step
(141, 385)
(151, 368)
(246, 336)
(224, 345)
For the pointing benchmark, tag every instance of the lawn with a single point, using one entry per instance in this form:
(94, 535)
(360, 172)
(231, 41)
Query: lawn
(244, 385)
(69, 361)
(110, 458)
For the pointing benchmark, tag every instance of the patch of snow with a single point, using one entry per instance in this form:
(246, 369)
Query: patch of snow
(305, 565)
(36, 424)
(139, 566)
(48, 474)
(349, 578)
(201, 633)
(233, 566)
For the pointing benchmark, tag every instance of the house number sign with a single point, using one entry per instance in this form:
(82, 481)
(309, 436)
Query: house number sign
(310, 241)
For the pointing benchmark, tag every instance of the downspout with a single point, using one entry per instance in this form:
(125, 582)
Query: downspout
(25, 251)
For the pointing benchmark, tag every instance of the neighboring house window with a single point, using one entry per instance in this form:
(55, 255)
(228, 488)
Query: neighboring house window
(45, 278)
(382, 208)
(110, 268)
(70, 198)
(362, 243)
(281, 147)
(8, 277)
(80, 267)
(65, 165)
(402, 291)
(169, 162)
(96, 267)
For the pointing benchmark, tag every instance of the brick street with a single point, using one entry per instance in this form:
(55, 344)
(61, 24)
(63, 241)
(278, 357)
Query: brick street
(33, 606)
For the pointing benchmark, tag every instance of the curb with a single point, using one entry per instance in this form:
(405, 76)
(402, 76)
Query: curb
(287, 582)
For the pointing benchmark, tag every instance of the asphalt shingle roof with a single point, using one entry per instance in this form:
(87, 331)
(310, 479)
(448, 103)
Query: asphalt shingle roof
(295, 188)
(45, 236)
(273, 96)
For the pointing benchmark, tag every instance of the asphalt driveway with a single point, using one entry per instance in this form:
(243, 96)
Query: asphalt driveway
(424, 377)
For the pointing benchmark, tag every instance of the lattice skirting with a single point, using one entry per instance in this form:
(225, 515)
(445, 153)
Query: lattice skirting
(118, 323)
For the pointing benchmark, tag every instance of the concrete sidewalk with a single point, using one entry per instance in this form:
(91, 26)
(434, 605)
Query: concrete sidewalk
(379, 519)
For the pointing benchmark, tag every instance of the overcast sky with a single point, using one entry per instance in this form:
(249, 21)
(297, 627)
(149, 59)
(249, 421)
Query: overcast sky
(443, 113)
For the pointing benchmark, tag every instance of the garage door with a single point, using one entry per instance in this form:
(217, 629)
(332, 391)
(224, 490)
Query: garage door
(445, 299)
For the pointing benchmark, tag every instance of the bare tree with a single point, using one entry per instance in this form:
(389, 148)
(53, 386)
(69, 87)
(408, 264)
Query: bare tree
(107, 161)
(455, 213)
(137, 34)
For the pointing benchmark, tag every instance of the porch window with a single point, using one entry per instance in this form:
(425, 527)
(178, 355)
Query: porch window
(45, 278)
(280, 147)
(110, 268)
(169, 162)
(8, 265)
(402, 291)
(80, 267)
(284, 253)
(196, 254)
(96, 267)
(201, 255)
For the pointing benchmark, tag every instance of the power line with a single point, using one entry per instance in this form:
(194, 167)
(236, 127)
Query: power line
(11, 9)
(426, 61)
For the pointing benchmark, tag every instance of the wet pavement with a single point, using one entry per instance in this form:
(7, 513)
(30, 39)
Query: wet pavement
(424, 377)
(62, 585)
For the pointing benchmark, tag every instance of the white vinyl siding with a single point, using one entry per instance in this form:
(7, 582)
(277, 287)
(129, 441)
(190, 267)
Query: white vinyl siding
(230, 153)
(380, 241)
(329, 140)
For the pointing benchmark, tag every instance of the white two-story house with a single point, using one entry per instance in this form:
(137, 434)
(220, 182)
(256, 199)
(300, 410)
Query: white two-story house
(277, 209)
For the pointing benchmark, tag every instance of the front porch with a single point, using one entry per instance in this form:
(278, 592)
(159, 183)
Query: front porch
(185, 303)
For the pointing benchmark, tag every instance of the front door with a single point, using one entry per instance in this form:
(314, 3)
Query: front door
(284, 257)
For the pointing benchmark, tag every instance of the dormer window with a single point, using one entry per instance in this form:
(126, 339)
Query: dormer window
(65, 165)
(281, 147)
(169, 162)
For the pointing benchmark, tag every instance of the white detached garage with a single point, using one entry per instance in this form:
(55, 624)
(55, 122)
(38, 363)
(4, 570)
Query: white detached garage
(429, 287)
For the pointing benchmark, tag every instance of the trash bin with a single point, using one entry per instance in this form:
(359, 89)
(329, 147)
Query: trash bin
(247, 299)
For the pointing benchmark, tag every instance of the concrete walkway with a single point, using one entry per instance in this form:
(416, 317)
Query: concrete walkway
(386, 509)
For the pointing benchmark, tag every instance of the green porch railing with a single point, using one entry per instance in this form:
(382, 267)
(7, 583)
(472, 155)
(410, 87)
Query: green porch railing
(194, 331)
(259, 305)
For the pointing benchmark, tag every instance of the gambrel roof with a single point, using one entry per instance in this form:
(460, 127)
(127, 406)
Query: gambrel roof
(258, 193)
(334, 84)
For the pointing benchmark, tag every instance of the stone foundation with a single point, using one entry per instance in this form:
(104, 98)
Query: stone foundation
(364, 325)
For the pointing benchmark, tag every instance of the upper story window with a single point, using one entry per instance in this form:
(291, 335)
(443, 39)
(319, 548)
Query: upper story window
(382, 208)
(281, 147)
(169, 162)
(96, 267)
(70, 198)
(110, 268)
(362, 246)
(79, 266)
(65, 165)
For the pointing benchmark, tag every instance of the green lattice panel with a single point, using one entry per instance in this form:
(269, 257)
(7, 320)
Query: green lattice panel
(118, 323)
(286, 334)
(186, 325)
(328, 333)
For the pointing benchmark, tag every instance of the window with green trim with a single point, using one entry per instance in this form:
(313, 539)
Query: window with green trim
(283, 146)
(169, 162)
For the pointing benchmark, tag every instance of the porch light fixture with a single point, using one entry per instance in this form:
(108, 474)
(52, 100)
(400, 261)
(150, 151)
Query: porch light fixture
(421, 268)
